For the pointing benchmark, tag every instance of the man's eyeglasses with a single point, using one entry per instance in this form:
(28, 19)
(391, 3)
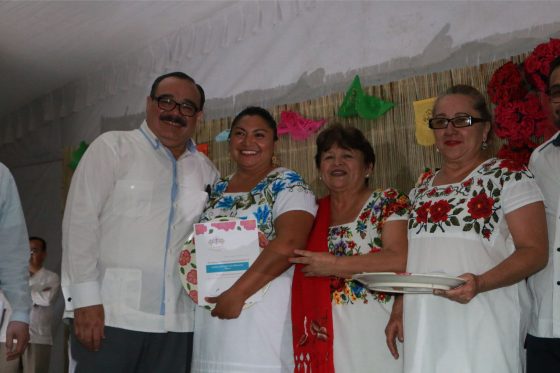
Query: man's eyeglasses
(457, 122)
(185, 108)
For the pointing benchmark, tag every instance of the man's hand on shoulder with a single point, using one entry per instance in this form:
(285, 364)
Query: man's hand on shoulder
(89, 325)
(17, 337)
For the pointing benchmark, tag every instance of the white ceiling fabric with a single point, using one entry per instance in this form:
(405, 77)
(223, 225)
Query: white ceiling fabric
(234, 48)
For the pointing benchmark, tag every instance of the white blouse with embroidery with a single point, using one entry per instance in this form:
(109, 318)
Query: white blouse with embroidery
(360, 315)
(260, 339)
(455, 229)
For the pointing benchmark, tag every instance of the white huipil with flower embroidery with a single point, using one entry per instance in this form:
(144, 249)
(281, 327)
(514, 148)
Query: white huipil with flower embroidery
(455, 229)
(260, 339)
(359, 315)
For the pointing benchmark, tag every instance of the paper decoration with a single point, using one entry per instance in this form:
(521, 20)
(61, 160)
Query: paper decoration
(298, 127)
(203, 148)
(77, 155)
(358, 103)
(222, 136)
(422, 113)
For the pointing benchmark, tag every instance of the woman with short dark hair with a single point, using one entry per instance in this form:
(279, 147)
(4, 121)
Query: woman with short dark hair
(337, 323)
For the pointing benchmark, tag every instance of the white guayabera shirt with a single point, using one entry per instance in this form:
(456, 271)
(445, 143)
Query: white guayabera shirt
(130, 208)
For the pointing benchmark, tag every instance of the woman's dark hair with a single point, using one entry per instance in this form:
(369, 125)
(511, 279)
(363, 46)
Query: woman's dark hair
(347, 138)
(479, 102)
(256, 111)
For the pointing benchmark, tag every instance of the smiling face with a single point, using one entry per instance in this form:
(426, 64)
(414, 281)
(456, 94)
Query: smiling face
(170, 127)
(459, 144)
(251, 144)
(343, 170)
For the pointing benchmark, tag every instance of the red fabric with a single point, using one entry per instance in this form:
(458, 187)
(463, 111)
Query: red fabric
(312, 326)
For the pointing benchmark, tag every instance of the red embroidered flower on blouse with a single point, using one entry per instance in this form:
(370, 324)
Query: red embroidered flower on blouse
(439, 211)
(467, 183)
(422, 212)
(480, 206)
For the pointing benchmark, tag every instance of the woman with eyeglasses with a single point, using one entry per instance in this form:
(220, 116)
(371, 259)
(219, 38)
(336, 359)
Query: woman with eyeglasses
(481, 219)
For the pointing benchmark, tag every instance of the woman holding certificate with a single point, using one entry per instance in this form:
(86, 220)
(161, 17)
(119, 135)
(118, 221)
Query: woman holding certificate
(256, 338)
(338, 324)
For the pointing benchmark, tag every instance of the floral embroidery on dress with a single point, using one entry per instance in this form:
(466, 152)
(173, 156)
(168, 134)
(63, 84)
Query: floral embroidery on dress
(363, 236)
(263, 195)
(473, 204)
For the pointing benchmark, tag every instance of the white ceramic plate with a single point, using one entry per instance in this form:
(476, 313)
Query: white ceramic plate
(391, 282)
(188, 271)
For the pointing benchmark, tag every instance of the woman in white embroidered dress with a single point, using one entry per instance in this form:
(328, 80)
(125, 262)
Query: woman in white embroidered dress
(365, 232)
(482, 220)
(256, 339)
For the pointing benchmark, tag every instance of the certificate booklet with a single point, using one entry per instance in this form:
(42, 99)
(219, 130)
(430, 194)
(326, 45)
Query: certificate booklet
(224, 251)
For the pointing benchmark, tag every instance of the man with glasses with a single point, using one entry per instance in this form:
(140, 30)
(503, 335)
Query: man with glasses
(132, 203)
(543, 340)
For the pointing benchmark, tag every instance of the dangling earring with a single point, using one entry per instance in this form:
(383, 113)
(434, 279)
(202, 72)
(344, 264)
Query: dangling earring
(437, 149)
(274, 160)
(484, 145)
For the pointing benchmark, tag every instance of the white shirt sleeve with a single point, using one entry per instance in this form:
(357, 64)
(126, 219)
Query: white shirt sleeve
(518, 193)
(91, 186)
(14, 249)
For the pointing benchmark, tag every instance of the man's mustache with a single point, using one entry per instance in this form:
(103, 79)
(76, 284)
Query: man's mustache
(173, 118)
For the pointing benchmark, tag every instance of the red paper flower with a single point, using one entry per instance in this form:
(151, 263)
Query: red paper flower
(518, 154)
(519, 115)
(480, 206)
(506, 84)
(517, 120)
(537, 65)
(439, 211)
